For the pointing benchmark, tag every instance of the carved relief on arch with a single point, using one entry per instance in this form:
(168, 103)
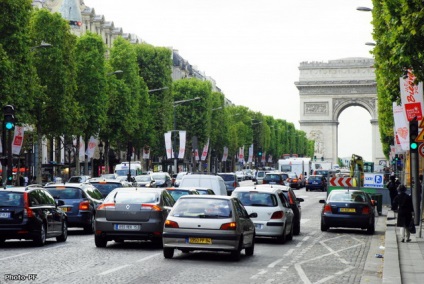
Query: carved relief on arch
(366, 103)
(318, 136)
(316, 108)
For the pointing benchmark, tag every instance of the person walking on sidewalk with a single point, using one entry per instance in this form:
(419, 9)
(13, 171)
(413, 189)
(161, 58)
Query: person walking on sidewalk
(392, 186)
(403, 203)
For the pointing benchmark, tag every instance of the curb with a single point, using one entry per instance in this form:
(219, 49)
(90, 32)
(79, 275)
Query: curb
(391, 268)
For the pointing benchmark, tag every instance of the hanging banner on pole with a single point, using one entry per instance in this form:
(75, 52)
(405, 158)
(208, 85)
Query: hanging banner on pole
(411, 96)
(401, 127)
(249, 160)
(82, 150)
(92, 143)
(18, 140)
(205, 151)
(225, 155)
(168, 145)
(181, 151)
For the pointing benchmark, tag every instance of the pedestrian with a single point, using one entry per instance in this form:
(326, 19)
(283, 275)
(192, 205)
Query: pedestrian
(403, 203)
(392, 186)
(25, 180)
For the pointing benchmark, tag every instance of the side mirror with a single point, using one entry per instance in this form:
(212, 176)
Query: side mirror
(60, 202)
(300, 199)
(253, 215)
(321, 201)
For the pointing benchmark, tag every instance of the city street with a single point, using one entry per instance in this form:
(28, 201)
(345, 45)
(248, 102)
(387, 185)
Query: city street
(336, 256)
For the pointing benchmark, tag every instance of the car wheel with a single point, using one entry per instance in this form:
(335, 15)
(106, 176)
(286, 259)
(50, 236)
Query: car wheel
(40, 240)
(64, 236)
(290, 235)
(88, 229)
(282, 239)
(371, 229)
(168, 252)
(100, 241)
(235, 254)
(324, 227)
(250, 250)
(296, 227)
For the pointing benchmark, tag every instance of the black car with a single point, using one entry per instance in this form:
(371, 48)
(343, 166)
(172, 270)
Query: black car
(80, 203)
(296, 207)
(275, 178)
(31, 213)
(348, 208)
(162, 179)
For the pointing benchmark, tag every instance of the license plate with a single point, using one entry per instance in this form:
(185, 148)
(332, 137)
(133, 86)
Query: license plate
(207, 241)
(347, 210)
(5, 215)
(272, 182)
(259, 226)
(65, 209)
(120, 227)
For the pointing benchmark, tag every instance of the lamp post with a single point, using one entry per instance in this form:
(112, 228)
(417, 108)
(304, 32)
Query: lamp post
(174, 153)
(69, 148)
(101, 157)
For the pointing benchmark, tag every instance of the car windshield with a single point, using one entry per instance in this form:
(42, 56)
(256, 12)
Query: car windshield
(105, 188)
(125, 172)
(275, 177)
(132, 197)
(227, 177)
(261, 174)
(315, 178)
(345, 196)
(11, 198)
(143, 178)
(203, 191)
(257, 199)
(202, 208)
(177, 193)
(63, 192)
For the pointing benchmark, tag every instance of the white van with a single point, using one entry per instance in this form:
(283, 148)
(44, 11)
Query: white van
(216, 183)
(123, 168)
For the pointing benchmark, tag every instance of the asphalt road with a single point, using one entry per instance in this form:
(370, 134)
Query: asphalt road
(336, 256)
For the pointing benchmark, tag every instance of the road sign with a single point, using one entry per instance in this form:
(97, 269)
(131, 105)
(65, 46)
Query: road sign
(421, 149)
(420, 137)
(341, 181)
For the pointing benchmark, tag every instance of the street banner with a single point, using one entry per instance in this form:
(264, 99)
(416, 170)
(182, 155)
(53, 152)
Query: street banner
(411, 97)
(263, 158)
(225, 155)
(146, 153)
(181, 151)
(1, 147)
(18, 140)
(92, 143)
(196, 155)
(270, 159)
(81, 150)
(241, 155)
(205, 151)
(249, 160)
(401, 127)
(168, 145)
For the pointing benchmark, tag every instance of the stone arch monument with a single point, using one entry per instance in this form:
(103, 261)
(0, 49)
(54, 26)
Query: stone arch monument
(326, 90)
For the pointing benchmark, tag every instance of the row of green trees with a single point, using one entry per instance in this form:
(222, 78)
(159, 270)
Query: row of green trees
(71, 89)
(399, 36)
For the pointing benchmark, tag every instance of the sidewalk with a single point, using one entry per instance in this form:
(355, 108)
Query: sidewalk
(403, 262)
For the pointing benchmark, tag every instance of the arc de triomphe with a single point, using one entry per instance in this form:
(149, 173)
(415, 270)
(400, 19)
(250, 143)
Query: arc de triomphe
(325, 90)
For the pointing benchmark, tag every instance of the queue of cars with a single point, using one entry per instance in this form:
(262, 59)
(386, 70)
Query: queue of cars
(185, 218)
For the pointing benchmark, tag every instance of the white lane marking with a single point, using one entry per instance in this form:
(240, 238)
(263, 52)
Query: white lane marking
(261, 271)
(302, 274)
(13, 256)
(148, 257)
(335, 274)
(299, 244)
(113, 269)
(289, 252)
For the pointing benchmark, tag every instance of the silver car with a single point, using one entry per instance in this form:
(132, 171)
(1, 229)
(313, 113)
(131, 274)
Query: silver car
(208, 222)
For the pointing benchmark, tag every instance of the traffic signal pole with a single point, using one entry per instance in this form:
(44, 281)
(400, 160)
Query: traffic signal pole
(414, 171)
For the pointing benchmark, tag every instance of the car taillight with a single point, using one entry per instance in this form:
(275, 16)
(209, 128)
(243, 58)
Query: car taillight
(366, 210)
(264, 181)
(277, 215)
(27, 211)
(171, 224)
(106, 205)
(235, 184)
(228, 226)
(327, 208)
(151, 206)
(84, 205)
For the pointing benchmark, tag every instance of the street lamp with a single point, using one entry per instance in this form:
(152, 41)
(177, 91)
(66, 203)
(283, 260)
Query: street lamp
(176, 103)
(101, 156)
(69, 148)
(115, 72)
(159, 89)
(42, 45)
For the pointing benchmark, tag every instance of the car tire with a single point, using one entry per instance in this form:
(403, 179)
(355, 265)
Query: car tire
(324, 227)
(282, 239)
(290, 235)
(250, 250)
(89, 228)
(40, 239)
(168, 253)
(235, 254)
(100, 241)
(296, 228)
(64, 235)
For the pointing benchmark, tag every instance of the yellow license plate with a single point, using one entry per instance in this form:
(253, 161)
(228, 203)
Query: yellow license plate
(206, 241)
(347, 210)
(65, 209)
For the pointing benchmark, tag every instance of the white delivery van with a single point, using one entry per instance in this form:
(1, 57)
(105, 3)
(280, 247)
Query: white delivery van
(216, 183)
(134, 167)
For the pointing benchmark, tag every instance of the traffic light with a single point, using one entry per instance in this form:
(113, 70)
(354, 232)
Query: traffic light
(413, 133)
(10, 178)
(260, 152)
(75, 23)
(129, 151)
(9, 117)
(396, 157)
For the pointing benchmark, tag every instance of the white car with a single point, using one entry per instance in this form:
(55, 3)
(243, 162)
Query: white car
(275, 217)
(240, 175)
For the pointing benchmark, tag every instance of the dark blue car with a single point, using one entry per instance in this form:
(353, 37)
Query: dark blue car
(316, 182)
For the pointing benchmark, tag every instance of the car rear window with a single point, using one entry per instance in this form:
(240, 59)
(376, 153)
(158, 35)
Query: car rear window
(11, 199)
(315, 178)
(347, 196)
(105, 188)
(133, 197)
(276, 177)
(63, 192)
(228, 177)
(257, 199)
(202, 208)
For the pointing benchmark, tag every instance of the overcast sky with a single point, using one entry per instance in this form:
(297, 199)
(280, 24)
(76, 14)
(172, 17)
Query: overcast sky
(253, 48)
